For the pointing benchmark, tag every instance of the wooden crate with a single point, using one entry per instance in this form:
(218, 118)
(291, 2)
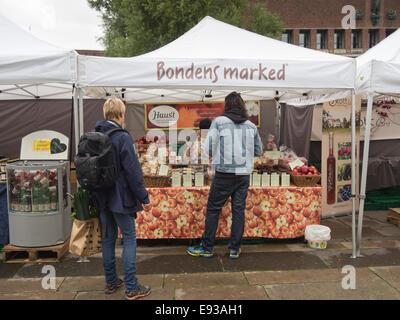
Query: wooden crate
(393, 216)
(14, 254)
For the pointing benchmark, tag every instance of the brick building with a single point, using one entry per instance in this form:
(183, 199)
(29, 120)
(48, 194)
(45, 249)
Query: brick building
(317, 24)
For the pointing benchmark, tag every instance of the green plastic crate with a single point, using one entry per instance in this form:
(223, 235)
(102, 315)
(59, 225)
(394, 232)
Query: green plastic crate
(382, 199)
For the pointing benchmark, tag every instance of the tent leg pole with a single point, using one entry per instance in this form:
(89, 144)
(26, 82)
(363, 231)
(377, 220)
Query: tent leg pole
(364, 170)
(278, 123)
(76, 120)
(81, 129)
(353, 173)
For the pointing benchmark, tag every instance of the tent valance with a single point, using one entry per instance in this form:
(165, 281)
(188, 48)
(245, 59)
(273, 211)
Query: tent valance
(220, 57)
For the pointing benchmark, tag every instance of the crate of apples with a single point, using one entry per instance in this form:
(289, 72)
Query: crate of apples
(305, 171)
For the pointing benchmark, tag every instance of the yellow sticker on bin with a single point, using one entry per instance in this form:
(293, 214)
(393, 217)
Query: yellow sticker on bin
(41, 145)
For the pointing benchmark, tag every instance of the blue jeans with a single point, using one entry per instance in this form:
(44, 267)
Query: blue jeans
(221, 190)
(110, 222)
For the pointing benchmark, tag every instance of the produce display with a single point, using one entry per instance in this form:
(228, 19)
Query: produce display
(34, 190)
(305, 170)
(160, 161)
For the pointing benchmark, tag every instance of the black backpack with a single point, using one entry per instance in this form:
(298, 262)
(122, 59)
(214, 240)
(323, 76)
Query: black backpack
(94, 163)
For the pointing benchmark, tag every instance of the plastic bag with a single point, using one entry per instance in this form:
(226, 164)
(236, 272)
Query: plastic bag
(288, 155)
(317, 233)
(271, 145)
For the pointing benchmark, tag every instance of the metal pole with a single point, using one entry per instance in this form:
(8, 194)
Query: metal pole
(353, 172)
(278, 123)
(76, 120)
(364, 170)
(81, 129)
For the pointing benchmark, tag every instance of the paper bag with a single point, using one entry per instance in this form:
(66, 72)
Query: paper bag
(86, 237)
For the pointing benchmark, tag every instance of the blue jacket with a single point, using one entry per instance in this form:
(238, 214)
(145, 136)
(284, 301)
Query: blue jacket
(129, 193)
(233, 145)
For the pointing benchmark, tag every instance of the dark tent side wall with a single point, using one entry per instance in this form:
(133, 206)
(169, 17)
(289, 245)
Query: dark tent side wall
(21, 117)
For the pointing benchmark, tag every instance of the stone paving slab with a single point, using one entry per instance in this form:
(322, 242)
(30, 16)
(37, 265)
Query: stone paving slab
(178, 264)
(100, 295)
(389, 274)
(370, 257)
(339, 230)
(304, 247)
(25, 285)
(48, 295)
(389, 230)
(205, 280)
(156, 294)
(380, 215)
(273, 261)
(97, 283)
(8, 270)
(367, 221)
(303, 276)
(375, 289)
(222, 293)
(68, 267)
(372, 244)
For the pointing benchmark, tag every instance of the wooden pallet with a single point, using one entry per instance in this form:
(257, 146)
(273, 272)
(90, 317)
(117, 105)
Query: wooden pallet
(393, 216)
(14, 254)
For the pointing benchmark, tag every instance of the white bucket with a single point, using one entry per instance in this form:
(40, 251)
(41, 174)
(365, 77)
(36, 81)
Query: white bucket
(317, 236)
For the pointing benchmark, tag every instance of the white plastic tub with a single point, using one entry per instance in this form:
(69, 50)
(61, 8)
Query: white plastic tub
(317, 236)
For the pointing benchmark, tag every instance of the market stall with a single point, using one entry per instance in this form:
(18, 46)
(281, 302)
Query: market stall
(205, 64)
(378, 74)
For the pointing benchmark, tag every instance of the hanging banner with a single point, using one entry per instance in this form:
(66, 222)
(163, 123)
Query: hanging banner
(188, 115)
(385, 120)
(336, 156)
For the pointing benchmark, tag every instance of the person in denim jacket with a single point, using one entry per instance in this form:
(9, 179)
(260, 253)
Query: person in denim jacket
(232, 142)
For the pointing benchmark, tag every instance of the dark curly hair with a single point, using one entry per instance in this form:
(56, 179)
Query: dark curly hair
(235, 101)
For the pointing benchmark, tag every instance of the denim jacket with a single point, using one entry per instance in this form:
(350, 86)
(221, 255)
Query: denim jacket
(232, 146)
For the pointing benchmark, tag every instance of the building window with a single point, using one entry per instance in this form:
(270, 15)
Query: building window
(338, 39)
(373, 37)
(304, 38)
(287, 36)
(356, 39)
(322, 39)
(390, 31)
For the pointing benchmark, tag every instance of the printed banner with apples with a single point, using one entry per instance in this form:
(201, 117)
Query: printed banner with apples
(271, 212)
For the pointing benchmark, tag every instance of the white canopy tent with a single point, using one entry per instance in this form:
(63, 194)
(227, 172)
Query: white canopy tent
(34, 69)
(214, 58)
(378, 73)
(27, 64)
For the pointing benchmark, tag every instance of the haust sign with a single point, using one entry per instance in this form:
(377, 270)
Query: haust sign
(163, 116)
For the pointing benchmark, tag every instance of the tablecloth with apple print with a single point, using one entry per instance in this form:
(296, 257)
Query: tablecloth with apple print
(271, 212)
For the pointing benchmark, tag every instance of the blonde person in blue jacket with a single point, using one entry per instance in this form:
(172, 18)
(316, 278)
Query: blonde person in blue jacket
(119, 205)
(232, 142)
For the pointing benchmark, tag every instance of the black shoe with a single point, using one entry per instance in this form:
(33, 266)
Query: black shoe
(112, 288)
(143, 291)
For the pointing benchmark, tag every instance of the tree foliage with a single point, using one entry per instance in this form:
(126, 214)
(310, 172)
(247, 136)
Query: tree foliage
(134, 27)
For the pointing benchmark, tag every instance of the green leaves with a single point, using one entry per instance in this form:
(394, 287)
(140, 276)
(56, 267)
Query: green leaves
(82, 208)
(134, 27)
